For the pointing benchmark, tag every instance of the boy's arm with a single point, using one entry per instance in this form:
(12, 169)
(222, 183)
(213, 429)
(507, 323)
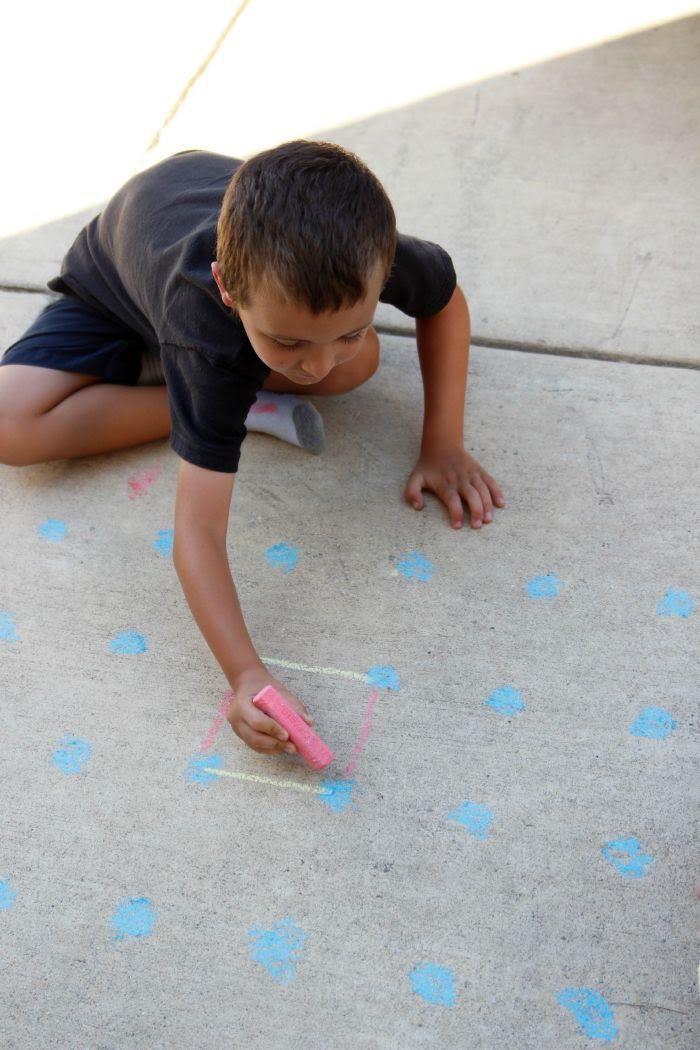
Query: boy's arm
(443, 350)
(201, 561)
(444, 466)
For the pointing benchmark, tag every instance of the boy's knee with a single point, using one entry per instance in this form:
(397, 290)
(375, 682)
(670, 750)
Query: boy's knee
(373, 352)
(13, 444)
(367, 362)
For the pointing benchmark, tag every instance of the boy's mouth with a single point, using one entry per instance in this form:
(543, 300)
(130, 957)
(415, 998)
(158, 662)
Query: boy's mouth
(304, 379)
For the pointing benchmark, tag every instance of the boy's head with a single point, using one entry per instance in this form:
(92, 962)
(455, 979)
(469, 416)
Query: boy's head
(305, 242)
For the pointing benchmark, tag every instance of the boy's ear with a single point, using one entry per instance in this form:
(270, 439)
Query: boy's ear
(228, 301)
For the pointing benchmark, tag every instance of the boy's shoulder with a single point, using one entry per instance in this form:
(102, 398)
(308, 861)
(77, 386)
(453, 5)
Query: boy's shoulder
(422, 278)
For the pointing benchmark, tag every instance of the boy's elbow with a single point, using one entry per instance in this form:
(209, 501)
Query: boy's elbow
(189, 536)
(202, 503)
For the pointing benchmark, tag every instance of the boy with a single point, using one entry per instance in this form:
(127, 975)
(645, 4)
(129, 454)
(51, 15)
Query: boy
(236, 277)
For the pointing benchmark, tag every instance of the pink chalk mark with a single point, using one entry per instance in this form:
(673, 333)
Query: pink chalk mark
(141, 482)
(264, 408)
(364, 733)
(225, 704)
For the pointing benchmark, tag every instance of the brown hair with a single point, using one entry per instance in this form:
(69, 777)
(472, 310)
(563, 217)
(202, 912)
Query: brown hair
(307, 221)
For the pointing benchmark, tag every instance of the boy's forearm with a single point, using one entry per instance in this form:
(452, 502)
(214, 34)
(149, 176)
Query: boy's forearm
(202, 566)
(443, 350)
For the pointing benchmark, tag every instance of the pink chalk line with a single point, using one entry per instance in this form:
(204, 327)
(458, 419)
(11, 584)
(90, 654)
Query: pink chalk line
(140, 482)
(225, 704)
(364, 733)
(263, 408)
(361, 740)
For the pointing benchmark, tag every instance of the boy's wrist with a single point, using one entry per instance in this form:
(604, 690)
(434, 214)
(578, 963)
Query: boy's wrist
(248, 675)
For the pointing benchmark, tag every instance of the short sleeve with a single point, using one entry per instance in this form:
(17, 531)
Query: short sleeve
(422, 278)
(208, 401)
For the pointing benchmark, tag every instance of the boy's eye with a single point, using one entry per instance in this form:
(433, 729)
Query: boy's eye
(293, 346)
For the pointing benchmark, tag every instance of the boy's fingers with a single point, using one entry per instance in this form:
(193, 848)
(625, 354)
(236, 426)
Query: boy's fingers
(453, 502)
(414, 493)
(494, 489)
(263, 743)
(261, 723)
(482, 487)
(472, 497)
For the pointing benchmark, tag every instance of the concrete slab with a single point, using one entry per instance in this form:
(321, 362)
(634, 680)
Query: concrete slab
(563, 187)
(516, 837)
(30, 258)
(17, 311)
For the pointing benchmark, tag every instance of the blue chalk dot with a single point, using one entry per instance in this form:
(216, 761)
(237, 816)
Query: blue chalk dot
(337, 794)
(128, 642)
(196, 770)
(7, 894)
(384, 677)
(676, 603)
(415, 566)
(633, 864)
(133, 917)
(475, 817)
(282, 556)
(592, 1012)
(73, 754)
(164, 543)
(654, 723)
(434, 983)
(277, 949)
(544, 586)
(53, 529)
(8, 631)
(506, 700)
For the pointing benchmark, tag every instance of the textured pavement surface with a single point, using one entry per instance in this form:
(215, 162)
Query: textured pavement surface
(503, 851)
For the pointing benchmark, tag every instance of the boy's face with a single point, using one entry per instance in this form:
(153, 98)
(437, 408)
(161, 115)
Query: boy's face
(293, 342)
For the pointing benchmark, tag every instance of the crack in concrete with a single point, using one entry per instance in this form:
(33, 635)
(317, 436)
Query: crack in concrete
(652, 1006)
(646, 259)
(476, 110)
(196, 75)
(595, 469)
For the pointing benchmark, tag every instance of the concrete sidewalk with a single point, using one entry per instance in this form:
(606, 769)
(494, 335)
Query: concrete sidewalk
(502, 851)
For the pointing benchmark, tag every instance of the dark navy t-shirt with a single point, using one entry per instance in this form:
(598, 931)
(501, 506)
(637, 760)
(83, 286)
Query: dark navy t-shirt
(146, 261)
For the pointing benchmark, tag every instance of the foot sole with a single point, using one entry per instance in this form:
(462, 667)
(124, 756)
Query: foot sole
(309, 427)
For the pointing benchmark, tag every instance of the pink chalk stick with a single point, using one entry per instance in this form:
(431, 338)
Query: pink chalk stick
(308, 744)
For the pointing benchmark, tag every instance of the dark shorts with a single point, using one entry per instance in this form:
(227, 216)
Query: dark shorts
(71, 336)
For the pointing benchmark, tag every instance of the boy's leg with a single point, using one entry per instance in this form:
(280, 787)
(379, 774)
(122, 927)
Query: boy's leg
(280, 411)
(47, 414)
(62, 415)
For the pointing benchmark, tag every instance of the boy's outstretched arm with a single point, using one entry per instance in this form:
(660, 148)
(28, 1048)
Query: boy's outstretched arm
(201, 561)
(444, 466)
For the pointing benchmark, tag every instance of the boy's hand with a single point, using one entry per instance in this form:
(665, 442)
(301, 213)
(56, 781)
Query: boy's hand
(253, 726)
(453, 475)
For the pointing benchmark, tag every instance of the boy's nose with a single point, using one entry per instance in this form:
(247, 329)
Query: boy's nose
(319, 372)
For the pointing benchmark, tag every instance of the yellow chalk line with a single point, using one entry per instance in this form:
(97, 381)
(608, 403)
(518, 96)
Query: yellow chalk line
(317, 670)
(269, 780)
